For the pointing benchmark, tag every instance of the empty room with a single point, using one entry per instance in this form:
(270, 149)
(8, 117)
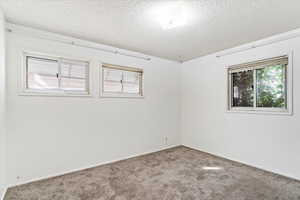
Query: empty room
(149, 100)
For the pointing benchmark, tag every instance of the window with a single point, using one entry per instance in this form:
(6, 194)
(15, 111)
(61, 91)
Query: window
(57, 76)
(119, 81)
(261, 86)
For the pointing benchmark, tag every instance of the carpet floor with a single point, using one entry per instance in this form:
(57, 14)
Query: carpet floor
(179, 173)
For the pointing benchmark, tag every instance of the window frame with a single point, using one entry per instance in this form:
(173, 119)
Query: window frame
(288, 110)
(121, 95)
(25, 91)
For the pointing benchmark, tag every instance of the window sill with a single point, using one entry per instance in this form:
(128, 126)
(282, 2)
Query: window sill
(261, 112)
(53, 94)
(121, 96)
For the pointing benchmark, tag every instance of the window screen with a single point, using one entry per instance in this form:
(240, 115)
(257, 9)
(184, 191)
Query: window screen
(271, 87)
(122, 80)
(61, 75)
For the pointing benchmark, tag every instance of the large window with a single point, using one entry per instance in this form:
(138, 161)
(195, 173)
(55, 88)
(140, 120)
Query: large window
(55, 76)
(261, 86)
(120, 81)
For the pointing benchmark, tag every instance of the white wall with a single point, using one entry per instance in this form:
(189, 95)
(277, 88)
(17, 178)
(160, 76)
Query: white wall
(2, 104)
(52, 135)
(266, 141)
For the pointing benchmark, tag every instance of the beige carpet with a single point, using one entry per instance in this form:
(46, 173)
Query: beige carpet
(177, 173)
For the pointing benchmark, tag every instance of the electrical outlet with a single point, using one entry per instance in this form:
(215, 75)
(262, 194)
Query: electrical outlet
(166, 140)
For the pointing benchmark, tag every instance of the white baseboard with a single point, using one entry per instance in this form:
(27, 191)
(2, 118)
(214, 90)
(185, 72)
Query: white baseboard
(90, 166)
(2, 193)
(242, 162)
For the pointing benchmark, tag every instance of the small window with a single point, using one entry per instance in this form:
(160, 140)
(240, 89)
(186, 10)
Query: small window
(119, 81)
(57, 76)
(260, 86)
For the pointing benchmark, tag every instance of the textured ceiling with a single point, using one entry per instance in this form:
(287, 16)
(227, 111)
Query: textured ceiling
(212, 25)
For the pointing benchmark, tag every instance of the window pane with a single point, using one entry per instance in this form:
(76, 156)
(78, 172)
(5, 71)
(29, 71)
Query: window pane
(271, 87)
(42, 73)
(73, 84)
(131, 82)
(74, 70)
(74, 76)
(242, 89)
(112, 80)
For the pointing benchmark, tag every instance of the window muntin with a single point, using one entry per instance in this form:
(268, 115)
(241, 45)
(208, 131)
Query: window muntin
(56, 75)
(259, 86)
(122, 81)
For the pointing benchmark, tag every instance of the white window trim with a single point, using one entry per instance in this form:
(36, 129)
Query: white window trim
(266, 111)
(24, 91)
(119, 95)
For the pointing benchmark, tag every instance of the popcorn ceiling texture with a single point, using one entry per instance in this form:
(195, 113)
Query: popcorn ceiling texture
(175, 174)
(212, 25)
